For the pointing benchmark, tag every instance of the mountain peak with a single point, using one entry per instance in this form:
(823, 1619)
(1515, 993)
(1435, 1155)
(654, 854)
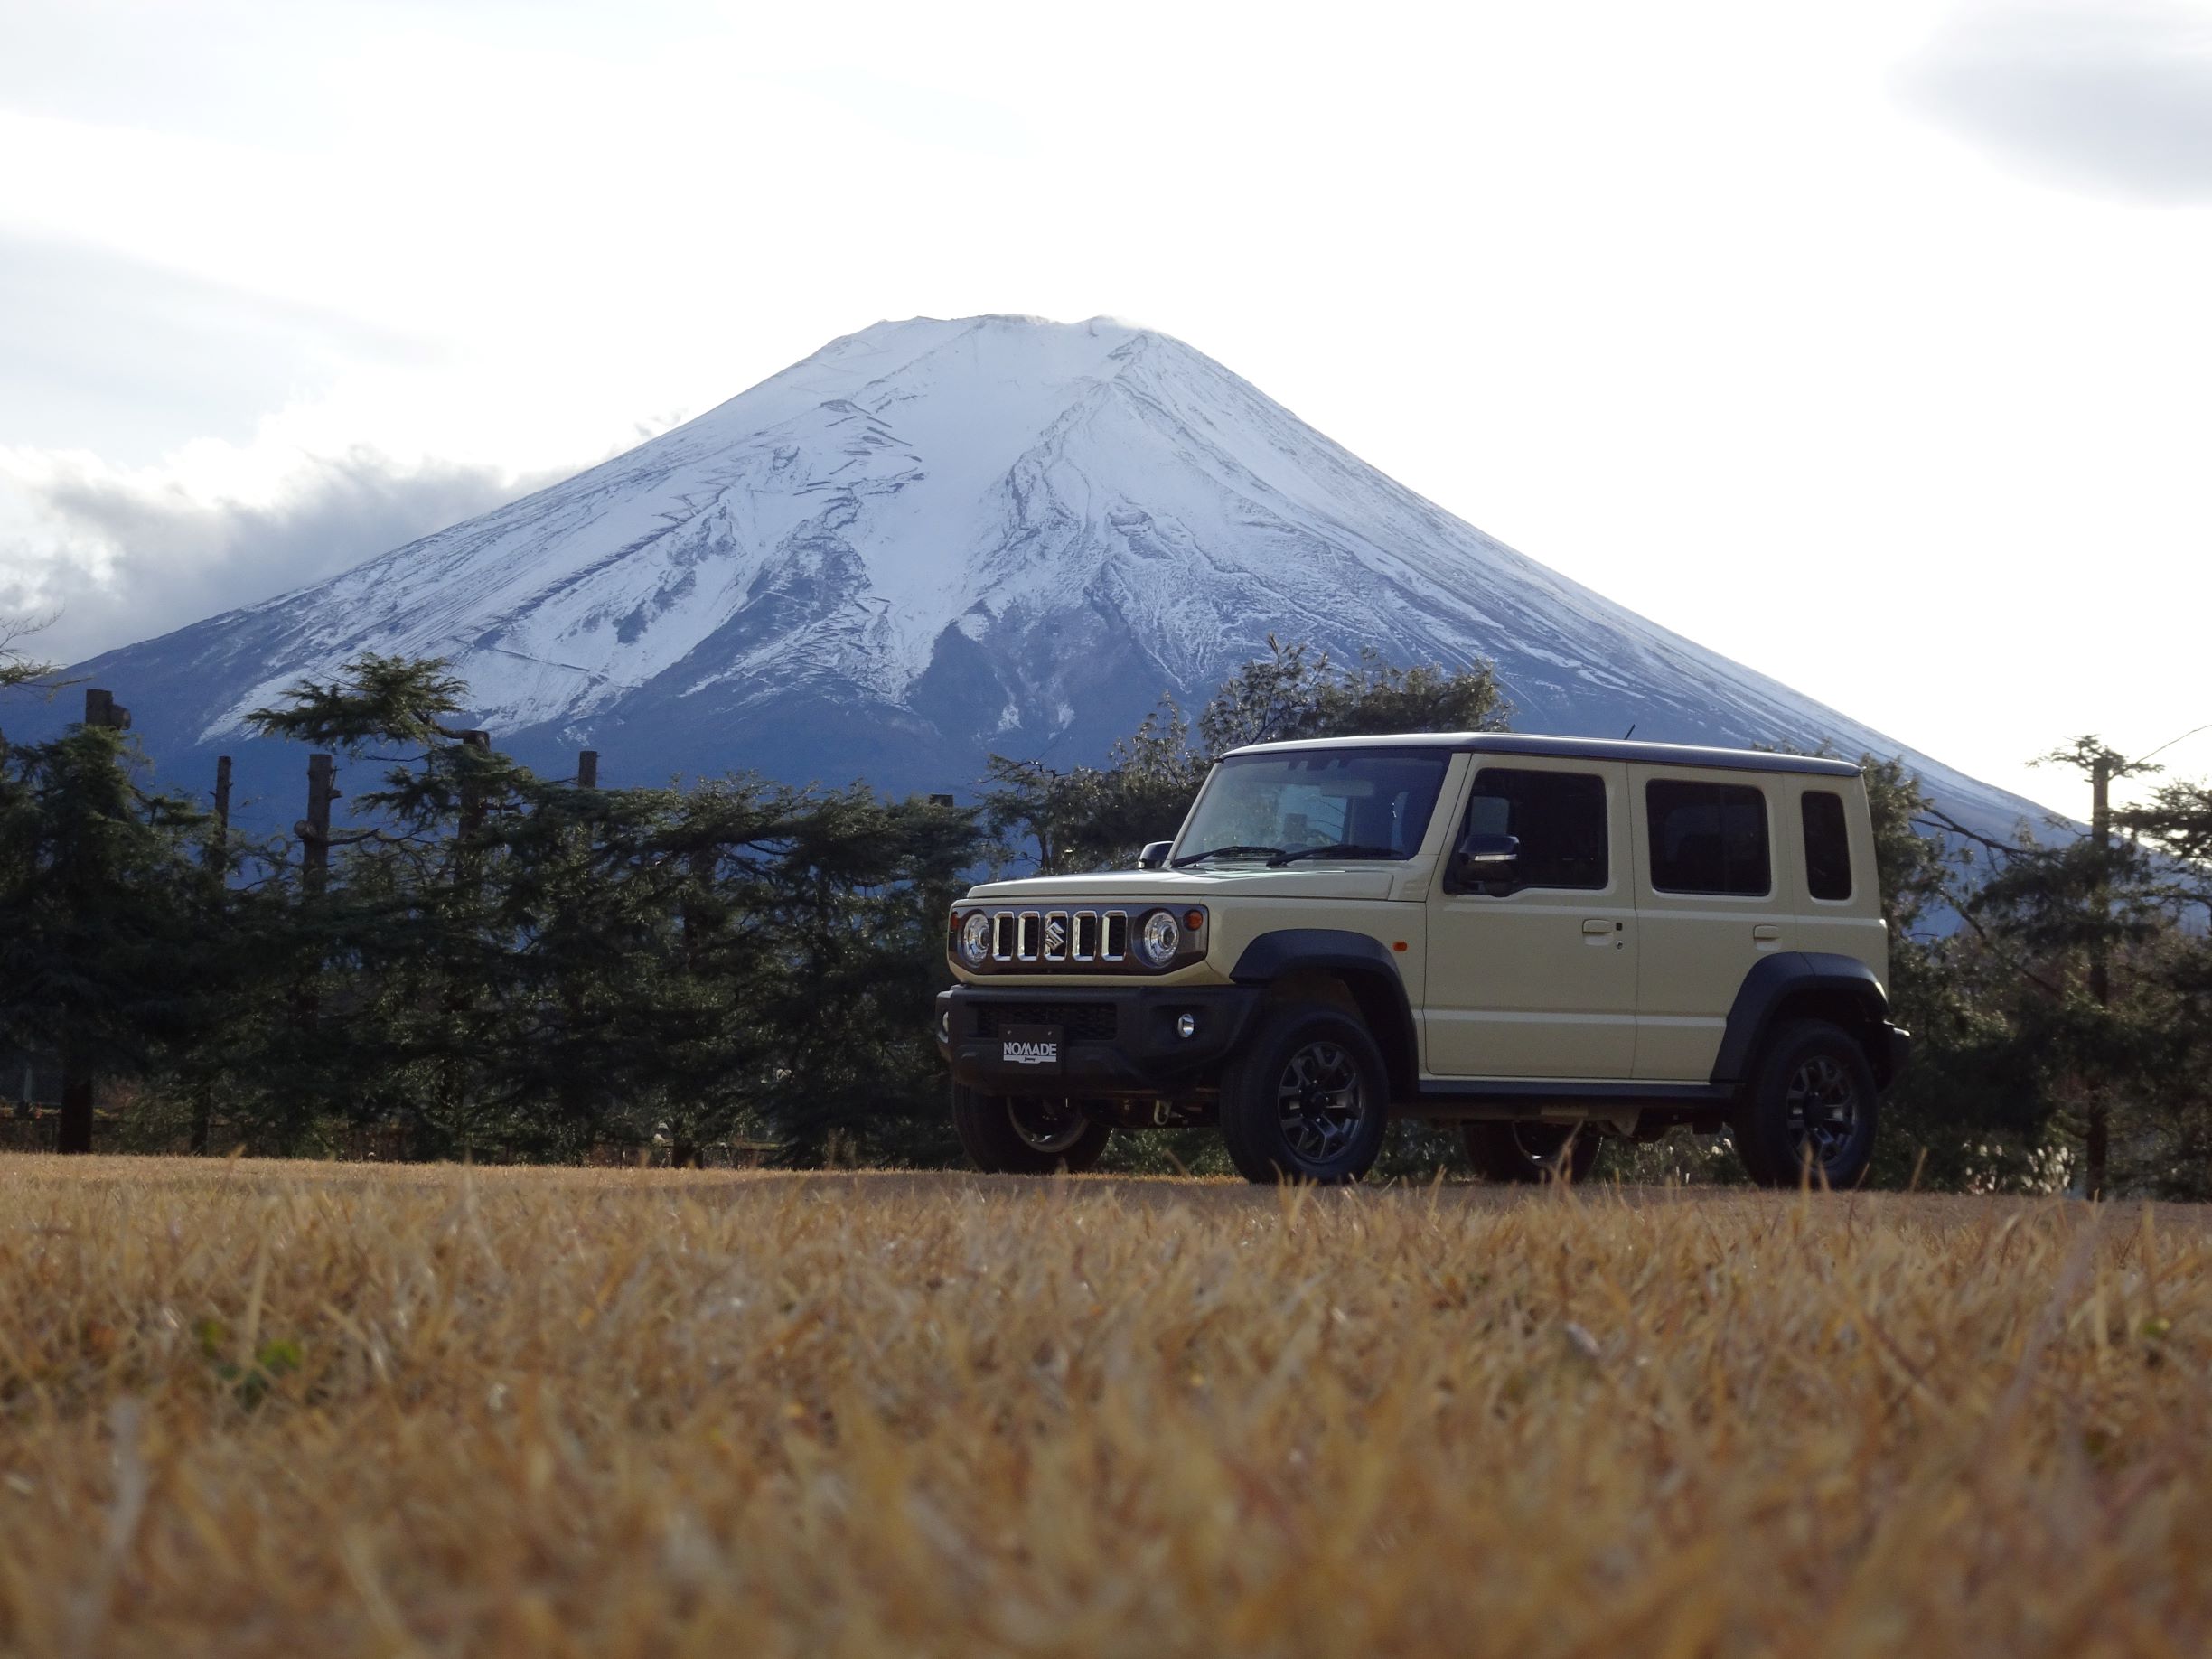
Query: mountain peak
(938, 538)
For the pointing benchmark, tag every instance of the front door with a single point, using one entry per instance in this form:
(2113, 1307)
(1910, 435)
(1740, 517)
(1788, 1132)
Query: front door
(1531, 972)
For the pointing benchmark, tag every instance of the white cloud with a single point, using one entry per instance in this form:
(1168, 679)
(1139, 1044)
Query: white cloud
(2114, 98)
(114, 556)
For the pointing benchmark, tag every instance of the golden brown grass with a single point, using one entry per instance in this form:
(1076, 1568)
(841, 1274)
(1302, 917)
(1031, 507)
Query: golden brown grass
(264, 1408)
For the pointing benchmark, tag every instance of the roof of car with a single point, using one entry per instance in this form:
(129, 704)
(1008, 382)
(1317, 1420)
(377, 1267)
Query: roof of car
(1579, 748)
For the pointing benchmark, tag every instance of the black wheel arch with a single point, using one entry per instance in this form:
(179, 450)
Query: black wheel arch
(1367, 971)
(1806, 985)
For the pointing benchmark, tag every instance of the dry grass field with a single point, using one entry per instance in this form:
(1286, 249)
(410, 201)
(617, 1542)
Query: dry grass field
(258, 1409)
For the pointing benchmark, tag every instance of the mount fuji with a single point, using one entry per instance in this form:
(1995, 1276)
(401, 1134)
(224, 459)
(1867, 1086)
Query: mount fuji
(936, 540)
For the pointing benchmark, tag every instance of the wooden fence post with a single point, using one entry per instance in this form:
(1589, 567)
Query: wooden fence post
(314, 830)
(218, 849)
(74, 1132)
(575, 1079)
(218, 861)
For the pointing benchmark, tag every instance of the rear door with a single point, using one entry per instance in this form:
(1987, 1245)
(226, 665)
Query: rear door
(1710, 865)
(1536, 975)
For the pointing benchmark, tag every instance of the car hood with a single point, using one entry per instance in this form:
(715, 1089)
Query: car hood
(1363, 880)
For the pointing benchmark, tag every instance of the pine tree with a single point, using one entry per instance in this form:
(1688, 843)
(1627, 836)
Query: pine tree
(106, 956)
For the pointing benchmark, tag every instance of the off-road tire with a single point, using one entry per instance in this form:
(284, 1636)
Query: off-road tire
(1526, 1152)
(1277, 1116)
(1812, 1087)
(1015, 1134)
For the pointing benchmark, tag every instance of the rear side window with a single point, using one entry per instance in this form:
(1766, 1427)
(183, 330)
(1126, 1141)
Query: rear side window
(1708, 838)
(1559, 817)
(1828, 871)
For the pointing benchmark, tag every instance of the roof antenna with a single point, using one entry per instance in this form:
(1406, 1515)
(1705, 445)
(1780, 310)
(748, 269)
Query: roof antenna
(1629, 733)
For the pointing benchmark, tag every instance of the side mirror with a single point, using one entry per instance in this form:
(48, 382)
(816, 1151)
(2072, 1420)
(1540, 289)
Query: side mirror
(1155, 856)
(1481, 859)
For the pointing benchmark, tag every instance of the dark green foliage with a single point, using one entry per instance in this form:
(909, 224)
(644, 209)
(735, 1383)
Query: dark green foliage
(506, 966)
(1965, 1083)
(498, 965)
(2068, 1015)
(107, 958)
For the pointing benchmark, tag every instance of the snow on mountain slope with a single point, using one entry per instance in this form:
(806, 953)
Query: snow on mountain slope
(936, 540)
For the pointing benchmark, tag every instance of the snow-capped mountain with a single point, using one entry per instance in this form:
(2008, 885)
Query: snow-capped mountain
(933, 540)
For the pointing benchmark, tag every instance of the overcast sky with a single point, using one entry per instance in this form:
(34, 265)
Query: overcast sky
(1867, 343)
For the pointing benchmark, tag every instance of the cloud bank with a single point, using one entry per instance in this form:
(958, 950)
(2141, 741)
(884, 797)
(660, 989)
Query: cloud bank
(115, 558)
(2111, 99)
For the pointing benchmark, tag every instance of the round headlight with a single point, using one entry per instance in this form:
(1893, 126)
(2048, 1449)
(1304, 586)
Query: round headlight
(975, 940)
(1159, 939)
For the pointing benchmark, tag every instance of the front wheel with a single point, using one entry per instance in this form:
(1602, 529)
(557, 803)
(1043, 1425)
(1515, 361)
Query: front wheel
(1533, 1151)
(1808, 1114)
(1022, 1134)
(1308, 1100)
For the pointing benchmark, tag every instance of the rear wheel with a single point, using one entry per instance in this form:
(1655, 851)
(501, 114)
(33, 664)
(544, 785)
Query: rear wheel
(1020, 1134)
(1532, 1151)
(1809, 1111)
(1308, 1100)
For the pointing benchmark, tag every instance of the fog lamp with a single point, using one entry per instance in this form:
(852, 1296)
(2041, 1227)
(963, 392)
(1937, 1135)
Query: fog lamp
(1187, 1025)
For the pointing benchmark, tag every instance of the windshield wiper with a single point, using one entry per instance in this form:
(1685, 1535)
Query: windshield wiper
(1269, 853)
(1342, 849)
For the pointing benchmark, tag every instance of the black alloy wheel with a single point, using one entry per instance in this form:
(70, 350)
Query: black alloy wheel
(1525, 1152)
(1026, 1134)
(1308, 1098)
(1809, 1112)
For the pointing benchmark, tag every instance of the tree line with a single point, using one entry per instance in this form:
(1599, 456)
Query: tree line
(486, 962)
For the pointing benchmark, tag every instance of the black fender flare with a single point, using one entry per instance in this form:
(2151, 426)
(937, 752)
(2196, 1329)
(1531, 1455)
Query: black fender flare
(1361, 961)
(1791, 973)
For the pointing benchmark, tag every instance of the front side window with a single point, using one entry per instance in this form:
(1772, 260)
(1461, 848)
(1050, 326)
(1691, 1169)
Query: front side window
(1828, 871)
(1558, 817)
(1345, 803)
(1708, 838)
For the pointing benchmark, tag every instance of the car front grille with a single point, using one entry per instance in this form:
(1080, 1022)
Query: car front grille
(1079, 1022)
(1059, 938)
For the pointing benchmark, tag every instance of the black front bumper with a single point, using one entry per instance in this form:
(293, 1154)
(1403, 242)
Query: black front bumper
(1115, 1040)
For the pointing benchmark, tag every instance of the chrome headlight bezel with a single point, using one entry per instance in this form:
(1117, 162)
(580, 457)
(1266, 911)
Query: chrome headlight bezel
(975, 938)
(1159, 939)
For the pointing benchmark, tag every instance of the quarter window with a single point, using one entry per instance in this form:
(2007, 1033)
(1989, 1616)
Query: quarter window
(1559, 818)
(1708, 838)
(1828, 871)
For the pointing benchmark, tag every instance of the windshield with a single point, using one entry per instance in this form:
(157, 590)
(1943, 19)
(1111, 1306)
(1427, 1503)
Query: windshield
(1351, 804)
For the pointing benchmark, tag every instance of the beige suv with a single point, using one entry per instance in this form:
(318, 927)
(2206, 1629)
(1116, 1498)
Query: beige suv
(1547, 940)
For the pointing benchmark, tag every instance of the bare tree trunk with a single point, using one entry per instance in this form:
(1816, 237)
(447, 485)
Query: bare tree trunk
(2097, 1147)
(218, 865)
(74, 1133)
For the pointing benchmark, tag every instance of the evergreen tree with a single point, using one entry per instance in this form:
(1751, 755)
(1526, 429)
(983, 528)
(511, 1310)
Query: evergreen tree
(106, 954)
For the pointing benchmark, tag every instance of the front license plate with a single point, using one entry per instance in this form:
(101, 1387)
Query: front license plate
(1030, 1048)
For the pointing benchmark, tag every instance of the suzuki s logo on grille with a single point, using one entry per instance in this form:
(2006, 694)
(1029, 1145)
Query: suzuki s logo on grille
(1055, 935)
(1012, 1052)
